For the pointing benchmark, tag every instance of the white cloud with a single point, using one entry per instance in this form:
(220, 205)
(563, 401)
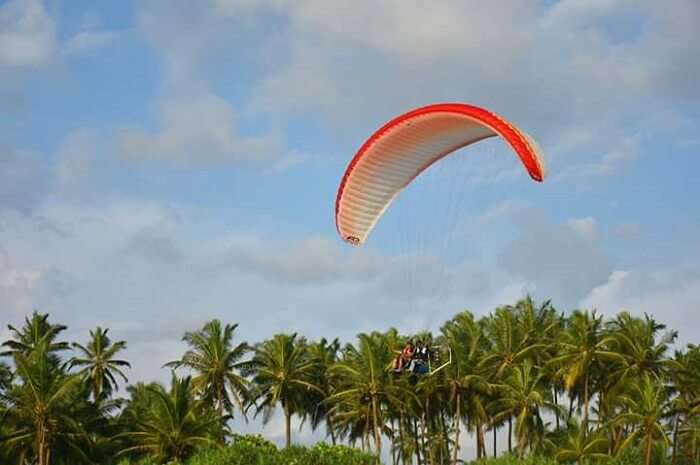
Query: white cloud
(88, 41)
(506, 210)
(293, 160)
(561, 262)
(671, 295)
(125, 262)
(585, 227)
(616, 155)
(412, 33)
(27, 34)
(313, 261)
(673, 49)
(24, 180)
(567, 73)
(76, 158)
(574, 13)
(628, 231)
(200, 128)
(23, 288)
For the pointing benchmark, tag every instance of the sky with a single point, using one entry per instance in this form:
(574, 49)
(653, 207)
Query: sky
(163, 163)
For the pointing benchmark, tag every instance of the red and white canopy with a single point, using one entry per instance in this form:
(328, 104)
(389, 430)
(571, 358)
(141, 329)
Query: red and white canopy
(407, 145)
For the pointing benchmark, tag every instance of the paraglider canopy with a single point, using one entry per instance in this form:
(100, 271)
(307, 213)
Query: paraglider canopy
(406, 146)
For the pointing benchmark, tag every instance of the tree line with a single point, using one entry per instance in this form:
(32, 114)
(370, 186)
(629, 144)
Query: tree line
(572, 387)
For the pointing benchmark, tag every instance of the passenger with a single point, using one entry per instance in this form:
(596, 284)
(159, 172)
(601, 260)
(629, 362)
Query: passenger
(423, 351)
(420, 363)
(406, 356)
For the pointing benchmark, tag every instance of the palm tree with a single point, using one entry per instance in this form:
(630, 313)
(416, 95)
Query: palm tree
(323, 355)
(582, 448)
(582, 346)
(364, 385)
(6, 376)
(176, 424)
(636, 340)
(98, 365)
(511, 341)
(525, 396)
(433, 396)
(543, 326)
(685, 375)
(282, 374)
(512, 334)
(466, 377)
(218, 366)
(36, 332)
(140, 402)
(40, 408)
(690, 437)
(647, 407)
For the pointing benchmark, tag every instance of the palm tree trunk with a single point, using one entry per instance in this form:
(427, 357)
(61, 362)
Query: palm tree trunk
(510, 435)
(444, 436)
(427, 452)
(480, 432)
(674, 453)
(647, 461)
(41, 443)
(556, 402)
(377, 433)
(221, 418)
(287, 425)
(571, 405)
(457, 421)
(401, 439)
(415, 438)
(495, 431)
(585, 405)
(330, 429)
(479, 438)
(393, 441)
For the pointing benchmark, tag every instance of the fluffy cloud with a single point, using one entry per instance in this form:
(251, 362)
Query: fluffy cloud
(313, 260)
(616, 155)
(409, 32)
(196, 129)
(150, 268)
(567, 72)
(562, 262)
(584, 227)
(675, 66)
(671, 295)
(27, 34)
(24, 180)
(24, 288)
(88, 41)
(76, 159)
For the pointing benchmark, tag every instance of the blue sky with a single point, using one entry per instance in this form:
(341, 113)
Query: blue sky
(167, 162)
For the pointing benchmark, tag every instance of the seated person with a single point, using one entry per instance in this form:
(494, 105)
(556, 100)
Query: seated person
(420, 361)
(404, 359)
(423, 351)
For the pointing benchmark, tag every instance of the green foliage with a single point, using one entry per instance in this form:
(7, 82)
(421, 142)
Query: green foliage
(254, 450)
(217, 364)
(514, 460)
(176, 426)
(518, 369)
(97, 364)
